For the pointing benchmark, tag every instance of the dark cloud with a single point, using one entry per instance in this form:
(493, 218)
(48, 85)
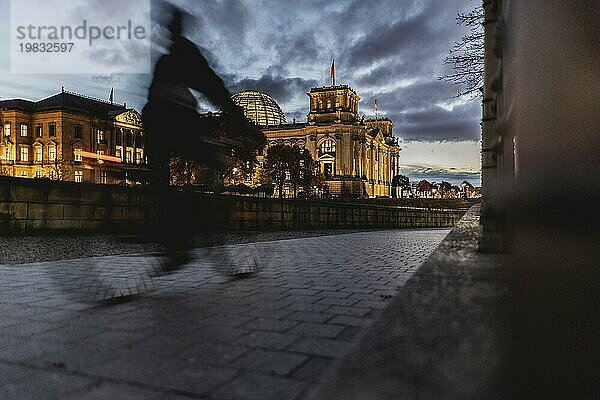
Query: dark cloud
(437, 123)
(417, 96)
(383, 42)
(281, 89)
(391, 50)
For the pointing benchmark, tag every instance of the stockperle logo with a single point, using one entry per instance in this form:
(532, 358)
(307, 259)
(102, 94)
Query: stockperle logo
(80, 36)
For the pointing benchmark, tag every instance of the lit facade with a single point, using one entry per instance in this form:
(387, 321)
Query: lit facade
(72, 137)
(357, 156)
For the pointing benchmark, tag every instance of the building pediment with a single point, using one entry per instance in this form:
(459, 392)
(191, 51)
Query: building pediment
(327, 156)
(375, 133)
(6, 141)
(130, 117)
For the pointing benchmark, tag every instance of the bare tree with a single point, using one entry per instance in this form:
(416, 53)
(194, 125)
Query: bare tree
(184, 172)
(60, 169)
(467, 56)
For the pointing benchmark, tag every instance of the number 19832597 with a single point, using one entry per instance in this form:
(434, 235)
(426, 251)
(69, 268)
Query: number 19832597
(45, 47)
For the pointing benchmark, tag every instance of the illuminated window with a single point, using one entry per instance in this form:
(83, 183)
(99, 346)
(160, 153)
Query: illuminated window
(103, 177)
(119, 152)
(77, 155)
(24, 174)
(139, 156)
(99, 136)
(6, 129)
(52, 153)
(38, 174)
(328, 103)
(38, 154)
(328, 147)
(23, 130)
(24, 154)
(8, 154)
(51, 175)
(78, 176)
(129, 155)
(38, 130)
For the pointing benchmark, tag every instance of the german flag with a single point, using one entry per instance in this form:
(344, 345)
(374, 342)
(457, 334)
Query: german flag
(332, 72)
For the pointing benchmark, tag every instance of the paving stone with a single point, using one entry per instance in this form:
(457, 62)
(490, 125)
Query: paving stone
(315, 329)
(381, 304)
(259, 387)
(30, 328)
(12, 373)
(306, 316)
(112, 391)
(350, 333)
(207, 353)
(228, 319)
(296, 299)
(275, 362)
(312, 370)
(267, 312)
(272, 340)
(270, 324)
(321, 347)
(308, 307)
(47, 385)
(349, 320)
(304, 292)
(192, 379)
(334, 301)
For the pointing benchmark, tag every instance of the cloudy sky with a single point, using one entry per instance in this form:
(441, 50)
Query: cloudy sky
(392, 50)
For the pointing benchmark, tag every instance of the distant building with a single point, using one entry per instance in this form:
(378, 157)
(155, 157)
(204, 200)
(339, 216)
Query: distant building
(357, 156)
(72, 137)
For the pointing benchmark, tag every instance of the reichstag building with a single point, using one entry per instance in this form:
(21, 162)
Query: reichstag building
(356, 155)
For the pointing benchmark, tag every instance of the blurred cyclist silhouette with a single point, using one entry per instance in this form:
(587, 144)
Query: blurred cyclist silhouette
(174, 126)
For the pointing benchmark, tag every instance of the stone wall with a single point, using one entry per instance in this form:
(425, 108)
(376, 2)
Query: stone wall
(38, 205)
(43, 204)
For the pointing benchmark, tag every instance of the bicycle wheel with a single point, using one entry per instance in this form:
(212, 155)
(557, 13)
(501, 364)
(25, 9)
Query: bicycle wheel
(240, 259)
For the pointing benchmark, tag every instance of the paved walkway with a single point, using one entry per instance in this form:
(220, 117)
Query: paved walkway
(199, 333)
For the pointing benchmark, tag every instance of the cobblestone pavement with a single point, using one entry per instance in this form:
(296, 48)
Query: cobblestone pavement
(199, 333)
(28, 249)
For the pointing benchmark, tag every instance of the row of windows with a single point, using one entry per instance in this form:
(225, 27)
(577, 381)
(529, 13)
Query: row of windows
(78, 175)
(131, 155)
(329, 103)
(130, 137)
(24, 129)
(24, 153)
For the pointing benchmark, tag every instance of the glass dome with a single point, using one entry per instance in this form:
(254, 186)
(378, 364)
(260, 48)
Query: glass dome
(260, 108)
